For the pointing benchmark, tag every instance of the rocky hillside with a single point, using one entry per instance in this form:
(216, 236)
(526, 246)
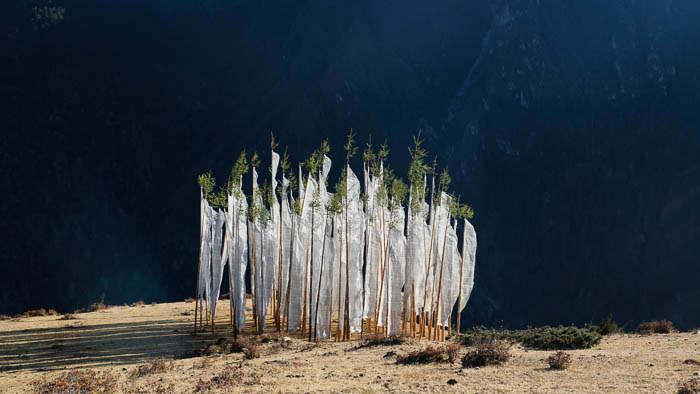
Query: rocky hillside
(571, 128)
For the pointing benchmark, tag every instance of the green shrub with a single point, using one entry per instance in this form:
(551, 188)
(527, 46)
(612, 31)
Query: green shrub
(482, 335)
(555, 338)
(607, 326)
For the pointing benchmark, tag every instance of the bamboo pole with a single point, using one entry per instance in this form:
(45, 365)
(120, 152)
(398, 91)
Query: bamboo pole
(426, 324)
(413, 309)
(279, 272)
(442, 264)
(289, 277)
(338, 330)
(346, 319)
(304, 312)
(252, 278)
(261, 319)
(459, 299)
(320, 277)
(311, 278)
(199, 265)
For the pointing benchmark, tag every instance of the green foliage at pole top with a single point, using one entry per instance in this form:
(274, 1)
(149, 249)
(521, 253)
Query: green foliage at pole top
(207, 182)
(383, 153)
(460, 211)
(336, 205)
(273, 144)
(397, 193)
(390, 193)
(238, 170)
(416, 173)
(316, 159)
(287, 172)
(259, 212)
(445, 180)
(255, 161)
(350, 148)
(219, 199)
(297, 206)
(384, 187)
(368, 155)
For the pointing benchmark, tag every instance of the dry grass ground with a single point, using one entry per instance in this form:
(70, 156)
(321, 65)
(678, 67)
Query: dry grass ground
(120, 345)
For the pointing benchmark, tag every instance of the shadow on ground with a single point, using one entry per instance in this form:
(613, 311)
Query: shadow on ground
(96, 345)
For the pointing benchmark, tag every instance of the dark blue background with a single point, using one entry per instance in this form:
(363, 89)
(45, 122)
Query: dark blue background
(572, 127)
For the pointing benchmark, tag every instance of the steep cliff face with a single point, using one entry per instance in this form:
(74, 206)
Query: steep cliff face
(579, 137)
(571, 128)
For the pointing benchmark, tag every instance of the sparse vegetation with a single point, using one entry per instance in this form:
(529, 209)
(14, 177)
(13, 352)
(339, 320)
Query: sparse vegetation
(481, 335)
(137, 303)
(493, 353)
(204, 363)
(655, 327)
(452, 351)
(607, 326)
(251, 351)
(36, 312)
(429, 355)
(380, 340)
(559, 360)
(68, 316)
(77, 381)
(189, 300)
(154, 387)
(95, 306)
(156, 366)
(691, 386)
(5, 317)
(229, 377)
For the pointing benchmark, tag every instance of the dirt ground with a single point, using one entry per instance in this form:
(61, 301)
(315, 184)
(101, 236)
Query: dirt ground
(120, 339)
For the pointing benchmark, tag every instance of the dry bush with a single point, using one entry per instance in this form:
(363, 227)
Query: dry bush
(78, 381)
(95, 306)
(67, 316)
(5, 317)
(309, 347)
(270, 338)
(691, 386)
(38, 312)
(380, 340)
(559, 360)
(156, 366)
(252, 351)
(204, 363)
(137, 303)
(451, 350)
(428, 355)
(493, 353)
(154, 387)
(655, 327)
(229, 377)
(189, 299)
